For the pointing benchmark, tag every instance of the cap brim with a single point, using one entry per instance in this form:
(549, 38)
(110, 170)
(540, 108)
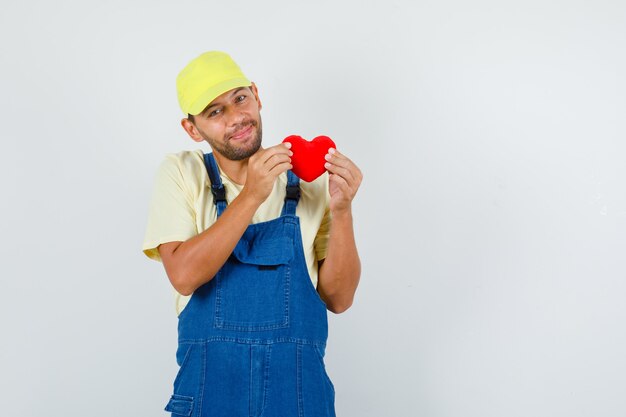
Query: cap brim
(209, 95)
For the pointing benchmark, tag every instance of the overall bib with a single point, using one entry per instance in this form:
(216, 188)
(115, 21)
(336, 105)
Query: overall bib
(251, 341)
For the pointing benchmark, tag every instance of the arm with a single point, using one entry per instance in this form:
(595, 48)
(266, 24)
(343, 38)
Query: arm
(339, 273)
(195, 262)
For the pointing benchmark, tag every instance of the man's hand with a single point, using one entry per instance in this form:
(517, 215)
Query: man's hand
(263, 169)
(340, 271)
(194, 262)
(344, 180)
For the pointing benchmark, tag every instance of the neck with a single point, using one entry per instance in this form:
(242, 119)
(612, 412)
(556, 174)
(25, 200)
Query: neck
(236, 170)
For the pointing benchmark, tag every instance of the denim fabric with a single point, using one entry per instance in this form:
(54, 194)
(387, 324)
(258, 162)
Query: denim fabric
(251, 341)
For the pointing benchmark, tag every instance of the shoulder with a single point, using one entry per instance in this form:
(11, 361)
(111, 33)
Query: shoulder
(183, 161)
(185, 167)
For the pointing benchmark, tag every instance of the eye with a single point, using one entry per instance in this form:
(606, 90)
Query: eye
(215, 112)
(240, 98)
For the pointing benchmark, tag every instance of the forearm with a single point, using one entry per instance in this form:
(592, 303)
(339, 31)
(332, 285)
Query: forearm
(196, 261)
(340, 272)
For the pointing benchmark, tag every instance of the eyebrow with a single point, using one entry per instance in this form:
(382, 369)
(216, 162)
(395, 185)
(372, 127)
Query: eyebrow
(234, 93)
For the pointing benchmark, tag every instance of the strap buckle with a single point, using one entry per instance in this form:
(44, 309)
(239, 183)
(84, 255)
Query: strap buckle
(219, 193)
(293, 192)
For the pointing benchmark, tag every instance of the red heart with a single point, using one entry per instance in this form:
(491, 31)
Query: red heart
(308, 157)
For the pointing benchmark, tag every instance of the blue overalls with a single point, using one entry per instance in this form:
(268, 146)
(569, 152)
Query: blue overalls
(251, 341)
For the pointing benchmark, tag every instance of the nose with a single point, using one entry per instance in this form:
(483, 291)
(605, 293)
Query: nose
(235, 118)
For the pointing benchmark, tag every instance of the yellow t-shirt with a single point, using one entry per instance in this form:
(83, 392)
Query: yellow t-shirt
(182, 207)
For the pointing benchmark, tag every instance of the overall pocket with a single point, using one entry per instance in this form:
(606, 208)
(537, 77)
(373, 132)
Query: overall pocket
(179, 405)
(252, 288)
(188, 383)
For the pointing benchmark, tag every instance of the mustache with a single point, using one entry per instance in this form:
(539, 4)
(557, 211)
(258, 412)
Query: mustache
(241, 126)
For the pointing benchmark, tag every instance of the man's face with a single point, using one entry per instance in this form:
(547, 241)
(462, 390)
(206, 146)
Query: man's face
(232, 123)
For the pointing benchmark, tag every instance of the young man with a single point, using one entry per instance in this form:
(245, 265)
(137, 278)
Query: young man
(256, 257)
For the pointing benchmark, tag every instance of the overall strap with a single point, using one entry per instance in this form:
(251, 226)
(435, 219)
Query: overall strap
(217, 188)
(293, 194)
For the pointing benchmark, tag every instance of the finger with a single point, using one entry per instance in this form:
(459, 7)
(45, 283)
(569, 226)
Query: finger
(343, 172)
(281, 146)
(275, 150)
(334, 157)
(340, 182)
(335, 154)
(338, 161)
(276, 159)
(343, 162)
(280, 168)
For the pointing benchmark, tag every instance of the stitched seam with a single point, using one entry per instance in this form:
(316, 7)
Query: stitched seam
(202, 379)
(253, 327)
(299, 380)
(218, 293)
(323, 367)
(251, 383)
(287, 294)
(255, 341)
(266, 377)
(281, 323)
(183, 365)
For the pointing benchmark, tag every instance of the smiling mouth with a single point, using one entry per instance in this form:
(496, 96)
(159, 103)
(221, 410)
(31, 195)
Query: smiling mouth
(242, 133)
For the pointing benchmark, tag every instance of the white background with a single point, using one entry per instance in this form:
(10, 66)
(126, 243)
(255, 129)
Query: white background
(491, 222)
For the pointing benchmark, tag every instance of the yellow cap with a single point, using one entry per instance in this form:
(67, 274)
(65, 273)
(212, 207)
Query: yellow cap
(205, 78)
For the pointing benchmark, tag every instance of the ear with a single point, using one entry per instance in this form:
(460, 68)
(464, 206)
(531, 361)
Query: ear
(255, 91)
(191, 130)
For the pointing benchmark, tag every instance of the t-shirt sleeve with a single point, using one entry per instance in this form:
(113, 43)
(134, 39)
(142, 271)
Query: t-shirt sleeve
(321, 239)
(171, 215)
(320, 243)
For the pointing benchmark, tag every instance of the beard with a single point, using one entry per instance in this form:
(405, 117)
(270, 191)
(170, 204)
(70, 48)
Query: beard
(244, 151)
